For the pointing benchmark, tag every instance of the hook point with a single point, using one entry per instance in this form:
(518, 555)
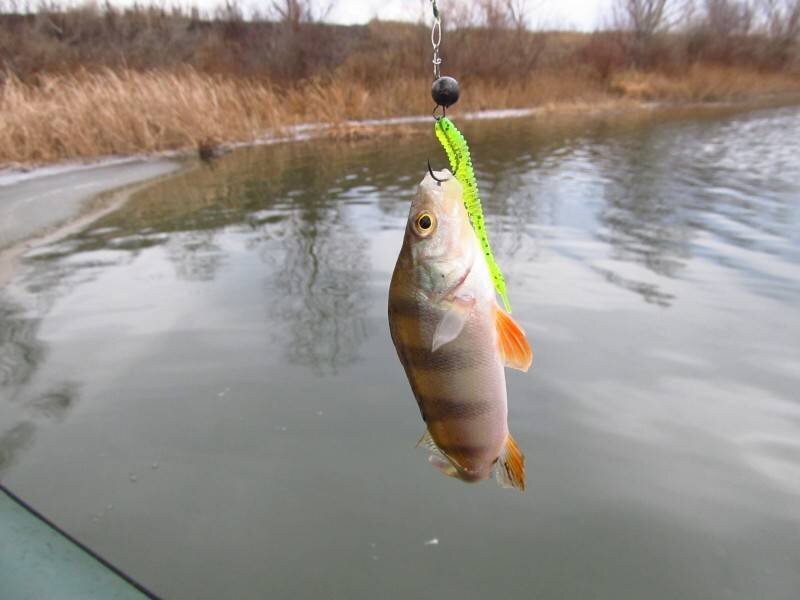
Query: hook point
(436, 179)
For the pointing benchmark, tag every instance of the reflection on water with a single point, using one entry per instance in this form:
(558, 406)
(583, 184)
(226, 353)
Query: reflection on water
(21, 354)
(14, 441)
(229, 327)
(20, 350)
(642, 217)
(321, 281)
(195, 255)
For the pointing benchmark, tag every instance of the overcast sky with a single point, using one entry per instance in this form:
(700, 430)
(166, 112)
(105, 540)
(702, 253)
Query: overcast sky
(551, 14)
(561, 14)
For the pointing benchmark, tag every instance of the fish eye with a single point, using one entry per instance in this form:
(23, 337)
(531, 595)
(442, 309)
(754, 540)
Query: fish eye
(424, 223)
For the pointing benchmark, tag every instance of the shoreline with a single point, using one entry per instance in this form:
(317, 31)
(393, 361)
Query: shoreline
(27, 223)
(106, 197)
(12, 173)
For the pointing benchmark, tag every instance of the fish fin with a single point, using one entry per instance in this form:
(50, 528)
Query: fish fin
(438, 458)
(443, 465)
(510, 467)
(450, 326)
(426, 441)
(514, 346)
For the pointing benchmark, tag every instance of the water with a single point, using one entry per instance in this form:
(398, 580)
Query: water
(213, 361)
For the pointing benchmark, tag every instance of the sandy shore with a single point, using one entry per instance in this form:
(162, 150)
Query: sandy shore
(46, 204)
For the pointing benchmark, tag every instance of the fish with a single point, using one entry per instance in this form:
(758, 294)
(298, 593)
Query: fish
(454, 340)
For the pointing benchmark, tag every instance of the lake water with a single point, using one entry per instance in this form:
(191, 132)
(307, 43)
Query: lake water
(201, 386)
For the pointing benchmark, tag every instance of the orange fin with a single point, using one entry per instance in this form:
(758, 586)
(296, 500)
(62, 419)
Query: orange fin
(510, 468)
(514, 346)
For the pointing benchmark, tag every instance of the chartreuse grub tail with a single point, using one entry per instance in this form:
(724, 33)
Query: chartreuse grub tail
(455, 146)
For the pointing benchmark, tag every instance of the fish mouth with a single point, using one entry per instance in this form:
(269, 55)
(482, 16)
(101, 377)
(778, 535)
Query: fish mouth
(435, 178)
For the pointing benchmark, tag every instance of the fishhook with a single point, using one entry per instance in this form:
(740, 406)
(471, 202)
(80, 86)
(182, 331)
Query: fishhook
(436, 179)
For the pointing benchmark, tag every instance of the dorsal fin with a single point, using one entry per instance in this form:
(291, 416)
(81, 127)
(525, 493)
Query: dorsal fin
(510, 467)
(514, 346)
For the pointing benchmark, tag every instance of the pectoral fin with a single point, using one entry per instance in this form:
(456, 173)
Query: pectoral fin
(510, 467)
(450, 326)
(514, 346)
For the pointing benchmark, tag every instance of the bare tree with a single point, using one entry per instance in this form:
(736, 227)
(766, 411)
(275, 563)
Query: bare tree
(725, 18)
(782, 23)
(782, 18)
(295, 12)
(230, 11)
(643, 18)
(491, 14)
(718, 31)
(518, 13)
(291, 11)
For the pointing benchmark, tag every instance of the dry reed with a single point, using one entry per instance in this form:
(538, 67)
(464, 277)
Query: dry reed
(90, 114)
(112, 112)
(124, 112)
(92, 81)
(703, 83)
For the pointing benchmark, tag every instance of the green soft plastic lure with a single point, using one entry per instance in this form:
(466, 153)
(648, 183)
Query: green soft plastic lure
(455, 146)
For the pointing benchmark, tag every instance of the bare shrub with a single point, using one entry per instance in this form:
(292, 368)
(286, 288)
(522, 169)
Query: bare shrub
(99, 79)
(645, 20)
(492, 14)
(725, 18)
(721, 32)
(296, 12)
(782, 24)
(605, 52)
(700, 83)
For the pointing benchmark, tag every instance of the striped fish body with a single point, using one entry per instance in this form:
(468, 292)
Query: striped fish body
(443, 318)
(460, 388)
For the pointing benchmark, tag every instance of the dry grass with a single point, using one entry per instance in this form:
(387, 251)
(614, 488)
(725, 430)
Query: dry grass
(93, 81)
(109, 112)
(703, 83)
(125, 112)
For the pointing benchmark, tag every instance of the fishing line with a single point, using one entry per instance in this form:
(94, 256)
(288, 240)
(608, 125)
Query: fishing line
(436, 39)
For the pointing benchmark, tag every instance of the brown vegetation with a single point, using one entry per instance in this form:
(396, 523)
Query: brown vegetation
(89, 82)
(702, 84)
